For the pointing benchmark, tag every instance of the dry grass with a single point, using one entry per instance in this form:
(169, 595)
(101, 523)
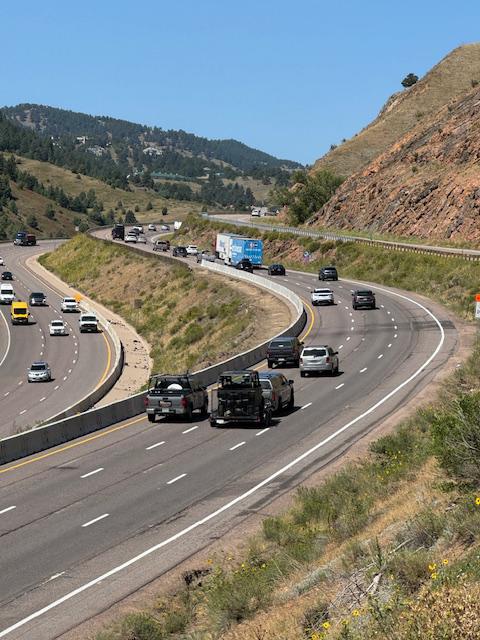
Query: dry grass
(51, 174)
(190, 320)
(450, 78)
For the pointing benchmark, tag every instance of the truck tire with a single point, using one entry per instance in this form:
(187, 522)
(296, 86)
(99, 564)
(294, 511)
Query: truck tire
(204, 411)
(291, 402)
(269, 364)
(189, 414)
(151, 417)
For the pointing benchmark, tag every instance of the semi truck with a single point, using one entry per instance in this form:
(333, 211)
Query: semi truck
(24, 239)
(232, 248)
(118, 232)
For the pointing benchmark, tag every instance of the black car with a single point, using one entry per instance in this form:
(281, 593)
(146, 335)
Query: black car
(284, 350)
(180, 252)
(37, 299)
(328, 273)
(244, 265)
(7, 275)
(276, 270)
(363, 298)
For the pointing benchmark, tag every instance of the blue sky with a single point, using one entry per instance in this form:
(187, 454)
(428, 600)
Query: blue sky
(286, 77)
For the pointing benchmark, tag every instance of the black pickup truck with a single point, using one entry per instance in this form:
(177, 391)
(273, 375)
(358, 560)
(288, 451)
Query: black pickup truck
(285, 350)
(240, 400)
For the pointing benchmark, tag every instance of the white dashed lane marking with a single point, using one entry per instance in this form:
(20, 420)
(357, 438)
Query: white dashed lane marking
(363, 370)
(239, 444)
(91, 473)
(380, 356)
(305, 406)
(259, 433)
(8, 509)
(182, 475)
(340, 385)
(87, 524)
(153, 446)
(191, 429)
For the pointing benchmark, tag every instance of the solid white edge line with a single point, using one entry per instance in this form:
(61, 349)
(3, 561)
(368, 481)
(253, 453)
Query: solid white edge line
(91, 473)
(9, 340)
(87, 524)
(246, 494)
(8, 509)
(182, 475)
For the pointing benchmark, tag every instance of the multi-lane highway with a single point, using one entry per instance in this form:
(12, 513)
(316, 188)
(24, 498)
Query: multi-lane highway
(87, 523)
(79, 362)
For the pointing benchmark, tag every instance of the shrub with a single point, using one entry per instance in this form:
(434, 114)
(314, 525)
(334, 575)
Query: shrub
(410, 569)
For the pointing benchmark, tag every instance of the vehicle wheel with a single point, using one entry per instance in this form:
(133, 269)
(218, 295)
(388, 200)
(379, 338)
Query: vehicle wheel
(297, 363)
(302, 374)
(213, 424)
(189, 414)
(269, 364)
(151, 417)
(291, 402)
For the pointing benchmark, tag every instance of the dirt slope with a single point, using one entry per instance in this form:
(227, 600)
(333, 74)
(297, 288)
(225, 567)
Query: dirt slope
(426, 185)
(450, 78)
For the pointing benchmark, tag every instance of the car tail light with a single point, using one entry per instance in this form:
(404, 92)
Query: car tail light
(184, 401)
(145, 401)
(301, 360)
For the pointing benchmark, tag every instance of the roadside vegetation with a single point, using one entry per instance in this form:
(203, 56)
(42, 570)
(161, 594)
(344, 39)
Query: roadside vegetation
(190, 320)
(451, 281)
(387, 548)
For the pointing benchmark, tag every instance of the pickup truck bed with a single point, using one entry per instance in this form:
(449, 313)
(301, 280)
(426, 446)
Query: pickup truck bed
(175, 396)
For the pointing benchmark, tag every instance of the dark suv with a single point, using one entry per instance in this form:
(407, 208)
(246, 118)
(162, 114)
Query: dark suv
(363, 298)
(328, 273)
(284, 350)
(276, 270)
(244, 265)
(180, 252)
(38, 298)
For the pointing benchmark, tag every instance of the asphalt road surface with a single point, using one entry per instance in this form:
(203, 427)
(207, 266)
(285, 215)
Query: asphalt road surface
(94, 520)
(79, 362)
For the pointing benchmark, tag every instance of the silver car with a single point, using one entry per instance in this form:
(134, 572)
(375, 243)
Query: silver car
(277, 389)
(318, 359)
(39, 372)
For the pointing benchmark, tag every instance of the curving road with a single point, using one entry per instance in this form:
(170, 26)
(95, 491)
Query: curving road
(87, 523)
(78, 361)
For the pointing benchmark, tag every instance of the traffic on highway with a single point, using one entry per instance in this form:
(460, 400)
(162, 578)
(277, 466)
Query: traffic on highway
(87, 523)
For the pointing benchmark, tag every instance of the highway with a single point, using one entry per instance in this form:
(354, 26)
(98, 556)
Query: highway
(87, 523)
(78, 361)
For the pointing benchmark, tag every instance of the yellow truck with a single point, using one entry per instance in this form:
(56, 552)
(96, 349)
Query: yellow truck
(19, 313)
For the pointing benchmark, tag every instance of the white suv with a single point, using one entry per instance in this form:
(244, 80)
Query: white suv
(322, 296)
(69, 305)
(317, 359)
(192, 249)
(7, 296)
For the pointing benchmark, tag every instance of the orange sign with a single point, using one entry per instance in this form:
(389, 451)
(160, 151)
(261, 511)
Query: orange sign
(78, 297)
(477, 297)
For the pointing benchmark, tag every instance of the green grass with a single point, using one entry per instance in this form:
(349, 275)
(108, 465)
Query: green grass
(448, 79)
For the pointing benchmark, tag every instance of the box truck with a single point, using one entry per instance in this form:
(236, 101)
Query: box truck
(232, 248)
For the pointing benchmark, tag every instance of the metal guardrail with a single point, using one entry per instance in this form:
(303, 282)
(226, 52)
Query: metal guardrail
(446, 252)
(61, 431)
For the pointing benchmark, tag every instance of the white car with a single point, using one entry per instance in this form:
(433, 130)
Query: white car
(165, 227)
(88, 322)
(322, 296)
(131, 237)
(39, 372)
(192, 249)
(2, 262)
(69, 305)
(138, 228)
(57, 328)
(7, 295)
(152, 227)
(142, 239)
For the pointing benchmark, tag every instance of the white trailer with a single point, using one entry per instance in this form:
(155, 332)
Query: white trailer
(223, 245)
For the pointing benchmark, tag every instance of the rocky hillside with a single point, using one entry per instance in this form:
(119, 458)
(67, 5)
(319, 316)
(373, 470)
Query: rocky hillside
(425, 185)
(450, 78)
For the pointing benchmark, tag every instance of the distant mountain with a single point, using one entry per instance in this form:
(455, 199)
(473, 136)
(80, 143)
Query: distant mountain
(137, 147)
(453, 76)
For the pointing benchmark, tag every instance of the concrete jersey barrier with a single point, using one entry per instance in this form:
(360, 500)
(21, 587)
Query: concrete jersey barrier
(446, 252)
(69, 428)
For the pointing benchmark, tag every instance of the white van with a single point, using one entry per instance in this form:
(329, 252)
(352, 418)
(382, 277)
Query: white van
(7, 295)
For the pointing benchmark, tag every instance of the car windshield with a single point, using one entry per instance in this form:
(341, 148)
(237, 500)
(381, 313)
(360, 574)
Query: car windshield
(56, 323)
(322, 291)
(89, 319)
(237, 380)
(172, 384)
(364, 293)
(316, 353)
(38, 367)
(285, 342)
(70, 300)
(265, 384)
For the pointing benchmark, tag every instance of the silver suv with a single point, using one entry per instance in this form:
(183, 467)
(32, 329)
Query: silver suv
(277, 389)
(39, 372)
(317, 359)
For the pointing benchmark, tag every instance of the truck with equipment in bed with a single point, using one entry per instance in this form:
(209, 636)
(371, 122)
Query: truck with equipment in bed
(175, 395)
(240, 400)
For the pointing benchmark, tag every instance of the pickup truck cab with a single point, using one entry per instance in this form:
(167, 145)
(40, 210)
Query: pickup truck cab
(284, 350)
(7, 295)
(240, 400)
(88, 322)
(57, 328)
(161, 245)
(19, 313)
(175, 395)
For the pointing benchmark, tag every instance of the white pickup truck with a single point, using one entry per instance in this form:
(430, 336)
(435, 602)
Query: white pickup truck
(88, 322)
